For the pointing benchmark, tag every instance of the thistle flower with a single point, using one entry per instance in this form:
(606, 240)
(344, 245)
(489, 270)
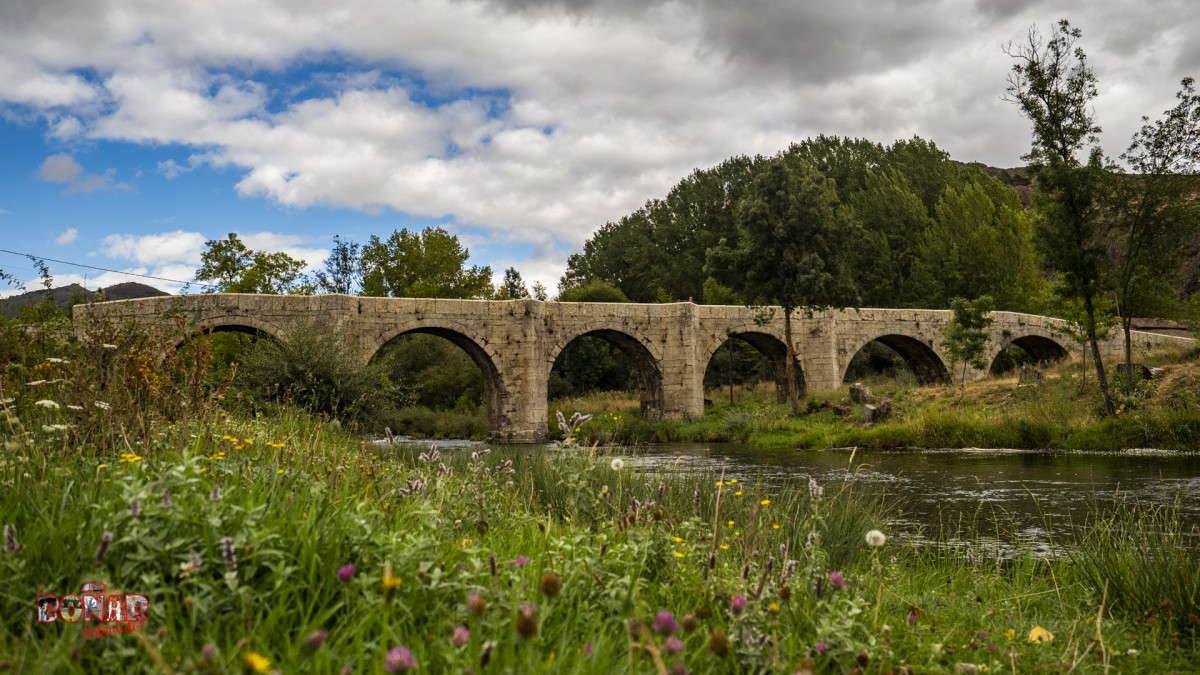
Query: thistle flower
(679, 669)
(822, 648)
(208, 653)
(876, 538)
(836, 581)
(521, 561)
(102, 550)
(11, 545)
(135, 509)
(227, 552)
(673, 645)
(476, 604)
(688, 622)
(346, 573)
(400, 660)
(770, 563)
(461, 636)
(315, 639)
(617, 464)
(527, 621)
(718, 643)
(551, 584)
(664, 622)
(815, 491)
(737, 604)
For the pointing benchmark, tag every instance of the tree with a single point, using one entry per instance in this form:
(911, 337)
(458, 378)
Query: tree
(592, 291)
(1053, 86)
(429, 264)
(792, 250)
(1152, 214)
(513, 287)
(228, 266)
(966, 335)
(343, 268)
(539, 291)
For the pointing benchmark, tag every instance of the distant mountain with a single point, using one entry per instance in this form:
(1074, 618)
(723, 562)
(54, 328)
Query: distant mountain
(73, 293)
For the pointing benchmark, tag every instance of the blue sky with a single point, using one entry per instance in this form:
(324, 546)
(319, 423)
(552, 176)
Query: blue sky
(130, 133)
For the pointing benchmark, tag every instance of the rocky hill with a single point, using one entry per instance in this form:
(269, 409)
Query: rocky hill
(64, 296)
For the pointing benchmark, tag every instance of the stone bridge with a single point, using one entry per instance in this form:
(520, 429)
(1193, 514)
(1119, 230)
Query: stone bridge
(515, 342)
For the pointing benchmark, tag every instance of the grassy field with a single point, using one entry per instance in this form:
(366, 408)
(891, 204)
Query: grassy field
(1061, 412)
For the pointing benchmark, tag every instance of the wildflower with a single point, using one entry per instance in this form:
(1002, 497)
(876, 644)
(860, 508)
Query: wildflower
(521, 561)
(737, 604)
(228, 553)
(822, 648)
(35, 383)
(1010, 634)
(773, 608)
(679, 554)
(208, 653)
(551, 584)
(135, 508)
(688, 622)
(1039, 634)
(390, 582)
(815, 491)
(746, 571)
(346, 573)
(215, 495)
(400, 660)
(476, 604)
(774, 526)
(738, 493)
(461, 636)
(492, 564)
(11, 545)
(47, 403)
(101, 405)
(315, 639)
(678, 540)
(74, 407)
(1131, 652)
(812, 540)
(912, 618)
(617, 464)
(52, 359)
(765, 502)
(664, 622)
(527, 621)
(673, 645)
(718, 643)
(785, 593)
(696, 500)
(836, 581)
(102, 550)
(255, 663)
(876, 538)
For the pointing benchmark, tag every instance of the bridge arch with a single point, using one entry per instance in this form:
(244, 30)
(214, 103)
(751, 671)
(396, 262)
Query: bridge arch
(769, 345)
(922, 359)
(643, 354)
(1042, 345)
(477, 348)
(247, 325)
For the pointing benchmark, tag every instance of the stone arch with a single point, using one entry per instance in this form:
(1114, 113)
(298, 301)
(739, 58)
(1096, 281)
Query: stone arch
(922, 359)
(248, 325)
(480, 351)
(1041, 346)
(771, 346)
(644, 355)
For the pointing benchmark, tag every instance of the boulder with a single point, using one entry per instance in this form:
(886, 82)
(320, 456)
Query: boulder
(1140, 371)
(873, 414)
(860, 393)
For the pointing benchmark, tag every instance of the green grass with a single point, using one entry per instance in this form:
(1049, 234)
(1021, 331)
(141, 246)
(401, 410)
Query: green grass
(299, 500)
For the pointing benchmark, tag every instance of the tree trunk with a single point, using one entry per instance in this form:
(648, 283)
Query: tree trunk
(1101, 379)
(730, 345)
(790, 366)
(1127, 324)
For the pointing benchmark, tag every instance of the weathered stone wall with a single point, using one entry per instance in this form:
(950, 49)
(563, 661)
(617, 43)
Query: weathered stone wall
(515, 342)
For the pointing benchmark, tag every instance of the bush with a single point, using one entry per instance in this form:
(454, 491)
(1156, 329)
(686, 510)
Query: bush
(314, 367)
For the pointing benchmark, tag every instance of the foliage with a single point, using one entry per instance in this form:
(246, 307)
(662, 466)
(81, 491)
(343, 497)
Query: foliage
(438, 374)
(314, 367)
(513, 287)
(966, 334)
(343, 271)
(592, 291)
(228, 266)
(428, 264)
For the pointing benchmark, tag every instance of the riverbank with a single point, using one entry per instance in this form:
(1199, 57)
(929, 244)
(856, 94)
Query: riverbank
(285, 543)
(1060, 412)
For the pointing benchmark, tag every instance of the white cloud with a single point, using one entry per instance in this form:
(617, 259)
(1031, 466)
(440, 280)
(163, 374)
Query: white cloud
(59, 168)
(62, 168)
(67, 237)
(156, 249)
(171, 170)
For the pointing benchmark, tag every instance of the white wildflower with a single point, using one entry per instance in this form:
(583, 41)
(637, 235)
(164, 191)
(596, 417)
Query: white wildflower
(876, 538)
(107, 346)
(56, 360)
(102, 405)
(6, 401)
(35, 383)
(47, 403)
(49, 428)
(75, 407)
(617, 464)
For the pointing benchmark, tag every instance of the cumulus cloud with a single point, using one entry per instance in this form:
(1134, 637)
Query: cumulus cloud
(151, 249)
(539, 120)
(67, 237)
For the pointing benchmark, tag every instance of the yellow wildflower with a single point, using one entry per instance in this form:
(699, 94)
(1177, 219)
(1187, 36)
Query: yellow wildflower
(1039, 634)
(775, 526)
(101, 466)
(765, 502)
(1010, 634)
(279, 471)
(678, 540)
(773, 608)
(678, 554)
(256, 662)
(738, 493)
(724, 547)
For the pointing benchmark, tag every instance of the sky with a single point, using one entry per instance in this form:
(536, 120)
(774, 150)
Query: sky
(133, 131)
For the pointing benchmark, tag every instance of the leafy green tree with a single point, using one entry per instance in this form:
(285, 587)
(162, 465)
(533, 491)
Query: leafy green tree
(343, 268)
(228, 266)
(513, 287)
(428, 264)
(538, 289)
(792, 250)
(966, 335)
(593, 291)
(893, 219)
(591, 363)
(1153, 215)
(1053, 86)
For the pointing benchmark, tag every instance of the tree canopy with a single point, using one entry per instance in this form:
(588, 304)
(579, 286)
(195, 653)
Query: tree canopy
(428, 264)
(228, 266)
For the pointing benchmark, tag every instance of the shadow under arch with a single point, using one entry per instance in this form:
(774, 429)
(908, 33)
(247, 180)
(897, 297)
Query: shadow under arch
(1040, 349)
(925, 363)
(645, 367)
(256, 330)
(775, 351)
(493, 382)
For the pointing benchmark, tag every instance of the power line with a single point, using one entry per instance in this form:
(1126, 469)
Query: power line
(93, 267)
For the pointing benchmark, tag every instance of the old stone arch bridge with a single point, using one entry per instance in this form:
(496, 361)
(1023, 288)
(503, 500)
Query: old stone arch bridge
(515, 342)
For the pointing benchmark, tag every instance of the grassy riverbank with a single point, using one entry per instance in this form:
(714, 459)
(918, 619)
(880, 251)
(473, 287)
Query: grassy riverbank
(1062, 412)
(267, 544)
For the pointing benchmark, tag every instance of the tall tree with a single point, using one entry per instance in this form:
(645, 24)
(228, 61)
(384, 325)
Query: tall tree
(428, 264)
(1152, 214)
(792, 250)
(1053, 86)
(343, 268)
(228, 266)
(966, 335)
(513, 287)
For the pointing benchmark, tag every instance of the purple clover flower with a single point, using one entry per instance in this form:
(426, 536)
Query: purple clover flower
(673, 645)
(346, 573)
(837, 581)
(822, 648)
(737, 604)
(400, 660)
(664, 622)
